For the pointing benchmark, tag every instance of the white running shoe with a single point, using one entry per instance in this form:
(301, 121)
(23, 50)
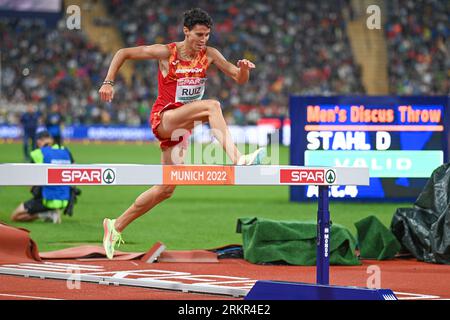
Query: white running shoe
(254, 158)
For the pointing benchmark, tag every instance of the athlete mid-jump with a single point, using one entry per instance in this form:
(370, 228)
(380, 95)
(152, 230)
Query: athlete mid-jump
(179, 106)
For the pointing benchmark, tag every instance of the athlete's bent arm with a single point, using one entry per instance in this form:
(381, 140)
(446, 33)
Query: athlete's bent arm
(239, 73)
(156, 51)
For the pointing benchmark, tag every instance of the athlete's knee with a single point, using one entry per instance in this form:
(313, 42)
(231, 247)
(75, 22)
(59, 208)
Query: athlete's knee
(213, 106)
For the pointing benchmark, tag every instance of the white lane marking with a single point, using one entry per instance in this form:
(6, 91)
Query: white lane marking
(87, 266)
(45, 267)
(414, 296)
(29, 297)
(149, 273)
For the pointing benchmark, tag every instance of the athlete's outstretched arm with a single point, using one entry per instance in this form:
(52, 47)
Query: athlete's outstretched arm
(239, 73)
(156, 51)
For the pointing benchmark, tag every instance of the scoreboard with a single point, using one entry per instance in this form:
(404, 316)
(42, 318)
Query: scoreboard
(400, 139)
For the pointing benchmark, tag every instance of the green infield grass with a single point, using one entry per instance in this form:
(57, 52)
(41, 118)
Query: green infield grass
(194, 218)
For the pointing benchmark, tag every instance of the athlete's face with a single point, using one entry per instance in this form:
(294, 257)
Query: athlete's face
(198, 36)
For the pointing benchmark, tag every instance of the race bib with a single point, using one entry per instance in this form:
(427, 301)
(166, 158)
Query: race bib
(190, 89)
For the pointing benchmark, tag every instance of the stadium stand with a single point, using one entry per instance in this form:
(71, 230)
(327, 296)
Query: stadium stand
(417, 34)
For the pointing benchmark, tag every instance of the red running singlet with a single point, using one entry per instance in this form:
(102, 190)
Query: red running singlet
(184, 83)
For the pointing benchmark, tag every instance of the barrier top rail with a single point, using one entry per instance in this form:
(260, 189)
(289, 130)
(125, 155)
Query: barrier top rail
(19, 174)
(135, 174)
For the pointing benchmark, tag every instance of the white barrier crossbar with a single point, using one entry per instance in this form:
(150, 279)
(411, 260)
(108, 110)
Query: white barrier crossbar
(132, 174)
(18, 174)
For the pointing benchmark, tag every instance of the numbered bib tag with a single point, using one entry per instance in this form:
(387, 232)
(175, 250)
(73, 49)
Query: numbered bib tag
(190, 89)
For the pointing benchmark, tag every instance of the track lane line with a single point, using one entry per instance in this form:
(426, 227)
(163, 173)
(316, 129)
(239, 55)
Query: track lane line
(29, 297)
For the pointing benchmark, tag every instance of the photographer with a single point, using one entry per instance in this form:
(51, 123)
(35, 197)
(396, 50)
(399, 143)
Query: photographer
(48, 201)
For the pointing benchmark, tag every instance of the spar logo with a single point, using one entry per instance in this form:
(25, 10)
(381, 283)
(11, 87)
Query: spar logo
(109, 176)
(307, 176)
(89, 176)
(330, 176)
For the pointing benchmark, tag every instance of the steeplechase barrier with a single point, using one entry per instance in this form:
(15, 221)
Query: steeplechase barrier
(130, 174)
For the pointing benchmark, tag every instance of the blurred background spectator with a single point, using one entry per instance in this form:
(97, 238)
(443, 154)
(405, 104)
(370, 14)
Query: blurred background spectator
(30, 120)
(54, 121)
(417, 34)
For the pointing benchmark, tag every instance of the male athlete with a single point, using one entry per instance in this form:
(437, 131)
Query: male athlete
(178, 107)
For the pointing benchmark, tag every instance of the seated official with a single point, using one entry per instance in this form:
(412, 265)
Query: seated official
(47, 201)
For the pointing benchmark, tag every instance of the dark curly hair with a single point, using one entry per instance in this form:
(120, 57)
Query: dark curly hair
(197, 16)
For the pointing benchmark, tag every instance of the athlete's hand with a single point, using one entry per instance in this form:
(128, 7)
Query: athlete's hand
(245, 64)
(106, 92)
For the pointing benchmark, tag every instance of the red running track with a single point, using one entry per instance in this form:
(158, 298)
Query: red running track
(409, 278)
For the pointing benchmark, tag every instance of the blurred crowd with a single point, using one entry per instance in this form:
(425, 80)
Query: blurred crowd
(299, 47)
(418, 34)
(47, 66)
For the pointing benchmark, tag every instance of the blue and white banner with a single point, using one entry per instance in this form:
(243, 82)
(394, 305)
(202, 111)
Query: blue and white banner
(10, 132)
(107, 133)
(257, 134)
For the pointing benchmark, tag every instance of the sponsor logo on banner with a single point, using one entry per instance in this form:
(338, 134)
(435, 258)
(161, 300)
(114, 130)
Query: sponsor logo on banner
(109, 176)
(330, 176)
(307, 176)
(198, 175)
(89, 176)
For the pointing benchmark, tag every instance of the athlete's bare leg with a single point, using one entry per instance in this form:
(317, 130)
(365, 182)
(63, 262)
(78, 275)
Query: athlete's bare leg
(153, 196)
(21, 214)
(205, 111)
